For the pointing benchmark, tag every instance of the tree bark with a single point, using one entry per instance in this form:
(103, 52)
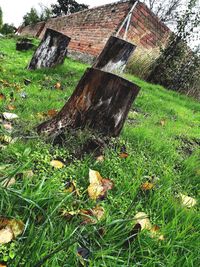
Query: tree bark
(101, 101)
(51, 51)
(115, 55)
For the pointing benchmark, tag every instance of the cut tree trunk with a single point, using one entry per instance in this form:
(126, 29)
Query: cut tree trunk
(51, 51)
(101, 101)
(115, 55)
(24, 44)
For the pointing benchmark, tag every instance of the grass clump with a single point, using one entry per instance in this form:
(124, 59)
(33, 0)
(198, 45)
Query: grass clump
(161, 137)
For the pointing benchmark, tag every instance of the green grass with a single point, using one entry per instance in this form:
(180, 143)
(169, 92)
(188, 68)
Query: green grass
(170, 152)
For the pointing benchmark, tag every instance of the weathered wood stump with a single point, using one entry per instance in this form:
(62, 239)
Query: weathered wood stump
(115, 55)
(51, 51)
(101, 101)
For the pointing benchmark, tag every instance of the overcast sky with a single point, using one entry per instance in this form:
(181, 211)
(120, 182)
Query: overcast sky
(14, 10)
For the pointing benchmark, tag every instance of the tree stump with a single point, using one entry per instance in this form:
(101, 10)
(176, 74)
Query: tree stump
(115, 55)
(51, 51)
(101, 101)
(24, 44)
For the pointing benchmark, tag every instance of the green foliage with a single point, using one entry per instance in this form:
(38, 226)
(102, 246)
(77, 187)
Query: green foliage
(1, 18)
(7, 29)
(34, 16)
(178, 67)
(8, 252)
(169, 152)
(67, 7)
(31, 17)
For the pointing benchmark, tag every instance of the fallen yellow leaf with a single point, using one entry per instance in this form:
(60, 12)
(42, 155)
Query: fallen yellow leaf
(57, 85)
(57, 164)
(187, 201)
(143, 219)
(6, 235)
(11, 107)
(147, 186)
(162, 123)
(10, 229)
(98, 186)
(100, 158)
(8, 182)
(5, 139)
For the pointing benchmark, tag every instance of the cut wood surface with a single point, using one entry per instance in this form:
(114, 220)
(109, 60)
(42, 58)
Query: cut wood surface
(115, 55)
(101, 101)
(51, 51)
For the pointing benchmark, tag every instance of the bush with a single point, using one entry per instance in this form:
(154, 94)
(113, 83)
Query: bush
(141, 62)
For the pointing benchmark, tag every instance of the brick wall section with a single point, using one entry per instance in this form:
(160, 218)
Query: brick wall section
(90, 29)
(32, 30)
(146, 30)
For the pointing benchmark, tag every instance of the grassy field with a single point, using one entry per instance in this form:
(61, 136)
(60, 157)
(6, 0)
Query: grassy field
(162, 139)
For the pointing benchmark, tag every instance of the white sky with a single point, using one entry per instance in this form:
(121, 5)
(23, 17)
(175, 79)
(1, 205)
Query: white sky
(14, 10)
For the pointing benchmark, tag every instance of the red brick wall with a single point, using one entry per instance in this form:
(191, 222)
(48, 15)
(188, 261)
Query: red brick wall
(146, 30)
(90, 29)
(32, 30)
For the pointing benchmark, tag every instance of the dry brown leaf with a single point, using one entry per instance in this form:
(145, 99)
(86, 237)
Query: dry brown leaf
(123, 155)
(98, 186)
(52, 112)
(147, 186)
(155, 233)
(11, 107)
(92, 216)
(3, 265)
(57, 164)
(187, 201)
(143, 219)
(10, 229)
(2, 96)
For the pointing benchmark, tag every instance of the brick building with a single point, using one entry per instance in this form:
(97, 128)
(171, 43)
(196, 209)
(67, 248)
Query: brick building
(90, 29)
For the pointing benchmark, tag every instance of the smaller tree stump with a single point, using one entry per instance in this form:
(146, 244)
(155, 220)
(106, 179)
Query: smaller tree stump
(101, 101)
(115, 55)
(51, 51)
(24, 44)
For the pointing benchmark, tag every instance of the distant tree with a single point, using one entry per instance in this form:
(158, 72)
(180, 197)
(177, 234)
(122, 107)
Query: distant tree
(1, 18)
(66, 7)
(31, 17)
(45, 13)
(34, 16)
(8, 29)
(166, 10)
(178, 67)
